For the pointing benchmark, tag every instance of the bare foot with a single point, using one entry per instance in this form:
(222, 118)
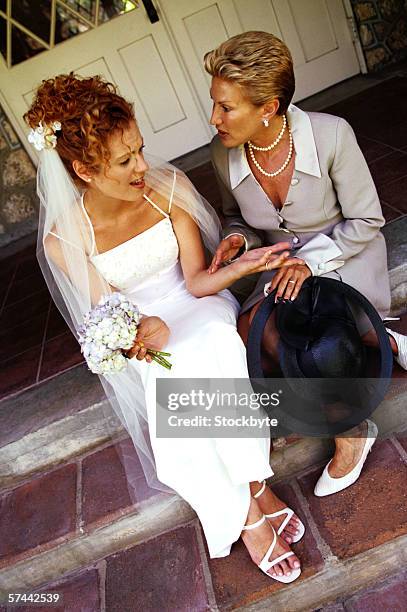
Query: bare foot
(348, 451)
(258, 540)
(270, 503)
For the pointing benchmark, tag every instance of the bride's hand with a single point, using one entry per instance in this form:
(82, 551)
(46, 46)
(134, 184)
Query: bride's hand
(265, 259)
(152, 333)
(227, 249)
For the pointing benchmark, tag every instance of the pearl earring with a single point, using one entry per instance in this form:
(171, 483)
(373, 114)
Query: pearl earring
(265, 122)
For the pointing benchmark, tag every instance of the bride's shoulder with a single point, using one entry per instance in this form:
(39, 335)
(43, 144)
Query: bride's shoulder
(157, 198)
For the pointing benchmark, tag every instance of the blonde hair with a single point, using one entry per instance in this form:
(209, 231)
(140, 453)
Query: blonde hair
(258, 61)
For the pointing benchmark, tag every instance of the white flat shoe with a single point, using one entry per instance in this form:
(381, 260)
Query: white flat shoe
(401, 342)
(289, 514)
(327, 485)
(265, 565)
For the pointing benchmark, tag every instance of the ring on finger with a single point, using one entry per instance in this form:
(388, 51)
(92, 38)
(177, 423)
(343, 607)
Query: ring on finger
(291, 281)
(267, 264)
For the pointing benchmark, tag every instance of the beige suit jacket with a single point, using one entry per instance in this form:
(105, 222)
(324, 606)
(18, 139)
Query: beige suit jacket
(332, 215)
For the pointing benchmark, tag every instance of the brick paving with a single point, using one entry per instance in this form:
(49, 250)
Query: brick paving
(165, 573)
(105, 489)
(79, 497)
(370, 512)
(37, 512)
(173, 571)
(79, 593)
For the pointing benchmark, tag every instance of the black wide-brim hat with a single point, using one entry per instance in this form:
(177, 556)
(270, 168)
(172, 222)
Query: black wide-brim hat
(330, 384)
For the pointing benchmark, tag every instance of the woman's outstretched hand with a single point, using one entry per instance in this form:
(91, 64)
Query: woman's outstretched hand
(264, 259)
(288, 281)
(152, 333)
(228, 249)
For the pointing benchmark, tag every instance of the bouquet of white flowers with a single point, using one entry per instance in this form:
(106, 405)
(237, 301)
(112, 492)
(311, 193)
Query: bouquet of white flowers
(107, 330)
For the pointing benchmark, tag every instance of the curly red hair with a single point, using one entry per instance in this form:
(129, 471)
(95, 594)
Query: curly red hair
(89, 110)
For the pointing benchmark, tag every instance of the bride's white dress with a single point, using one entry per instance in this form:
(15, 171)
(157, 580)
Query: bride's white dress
(213, 475)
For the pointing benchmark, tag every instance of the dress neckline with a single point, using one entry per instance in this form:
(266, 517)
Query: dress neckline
(93, 247)
(126, 242)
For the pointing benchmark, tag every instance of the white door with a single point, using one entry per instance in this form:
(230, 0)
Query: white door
(316, 32)
(137, 56)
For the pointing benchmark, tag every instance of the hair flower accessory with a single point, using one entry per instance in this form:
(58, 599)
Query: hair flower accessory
(43, 136)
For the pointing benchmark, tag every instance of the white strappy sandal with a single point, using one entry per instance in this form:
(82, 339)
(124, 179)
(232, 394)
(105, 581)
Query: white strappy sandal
(289, 514)
(265, 565)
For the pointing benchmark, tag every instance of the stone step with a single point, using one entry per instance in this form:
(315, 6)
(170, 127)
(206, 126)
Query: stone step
(66, 431)
(49, 424)
(395, 234)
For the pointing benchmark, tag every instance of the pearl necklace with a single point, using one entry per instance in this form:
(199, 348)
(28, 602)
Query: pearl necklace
(283, 167)
(274, 143)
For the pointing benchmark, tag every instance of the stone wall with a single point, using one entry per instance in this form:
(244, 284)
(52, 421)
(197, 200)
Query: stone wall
(383, 31)
(18, 200)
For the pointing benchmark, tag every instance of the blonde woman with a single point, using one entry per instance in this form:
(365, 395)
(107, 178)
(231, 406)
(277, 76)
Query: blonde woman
(287, 174)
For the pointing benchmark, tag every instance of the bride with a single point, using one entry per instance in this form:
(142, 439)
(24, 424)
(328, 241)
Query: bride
(111, 221)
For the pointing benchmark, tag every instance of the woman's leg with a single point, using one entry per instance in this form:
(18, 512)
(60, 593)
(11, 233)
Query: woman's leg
(269, 341)
(348, 450)
(370, 339)
(258, 540)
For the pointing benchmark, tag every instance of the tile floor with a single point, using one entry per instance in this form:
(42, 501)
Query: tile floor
(35, 343)
(173, 571)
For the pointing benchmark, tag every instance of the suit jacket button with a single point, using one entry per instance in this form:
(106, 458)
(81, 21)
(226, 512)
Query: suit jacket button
(296, 240)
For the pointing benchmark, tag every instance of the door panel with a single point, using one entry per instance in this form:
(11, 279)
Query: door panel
(145, 77)
(140, 59)
(316, 32)
(261, 13)
(205, 38)
(314, 28)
